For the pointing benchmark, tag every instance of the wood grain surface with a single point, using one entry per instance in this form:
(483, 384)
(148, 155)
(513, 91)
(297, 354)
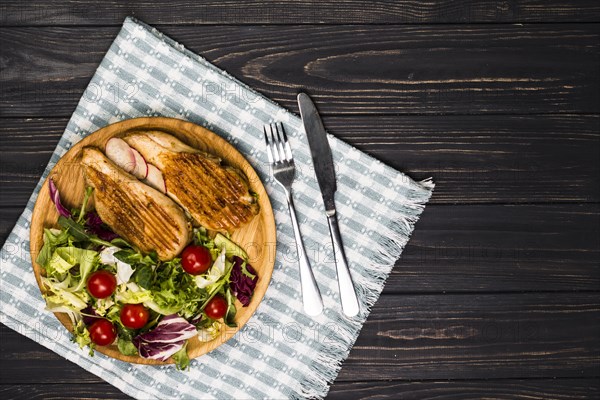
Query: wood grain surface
(348, 69)
(180, 12)
(497, 293)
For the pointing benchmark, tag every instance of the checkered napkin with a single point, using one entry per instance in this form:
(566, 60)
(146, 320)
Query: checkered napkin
(280, 352)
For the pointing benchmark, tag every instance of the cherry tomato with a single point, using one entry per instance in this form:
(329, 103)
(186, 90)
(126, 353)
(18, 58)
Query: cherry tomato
(102, 332)
(101, 284)
(134, 316)
(196, 260)
(216, 307)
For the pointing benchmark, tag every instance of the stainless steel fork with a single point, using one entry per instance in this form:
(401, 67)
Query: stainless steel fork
(283, 170)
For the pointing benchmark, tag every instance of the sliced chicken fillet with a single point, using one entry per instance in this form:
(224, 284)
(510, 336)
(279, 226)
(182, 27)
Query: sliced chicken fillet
(140, 214)
(216, 196)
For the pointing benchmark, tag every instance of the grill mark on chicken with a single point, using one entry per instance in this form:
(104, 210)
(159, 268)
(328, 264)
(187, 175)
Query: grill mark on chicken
(219, 191)
(145, 220)
(141, 215)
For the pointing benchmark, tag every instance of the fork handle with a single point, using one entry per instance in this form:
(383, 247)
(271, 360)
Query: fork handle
(311, 296)
(348, 297)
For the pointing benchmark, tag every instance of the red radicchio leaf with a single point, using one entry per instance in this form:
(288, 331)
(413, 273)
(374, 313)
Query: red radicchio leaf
(91, 317)
(94, 225)
(157, 351)
(197, 319)
(240, 283)
(166, 339)
(55, 196)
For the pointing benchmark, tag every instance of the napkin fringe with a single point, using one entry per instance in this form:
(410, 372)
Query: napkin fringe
(368, 281)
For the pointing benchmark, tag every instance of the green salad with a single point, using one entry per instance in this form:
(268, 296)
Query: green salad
(114, 294)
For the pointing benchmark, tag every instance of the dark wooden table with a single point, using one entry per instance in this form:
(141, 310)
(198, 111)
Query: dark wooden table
(497, 293)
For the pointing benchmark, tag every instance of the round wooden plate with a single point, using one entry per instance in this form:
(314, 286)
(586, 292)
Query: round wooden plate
(257, 238)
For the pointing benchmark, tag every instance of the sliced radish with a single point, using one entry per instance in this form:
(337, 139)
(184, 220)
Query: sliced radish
(141, 167)
(155, 179)
(119, 152)
(147, 168)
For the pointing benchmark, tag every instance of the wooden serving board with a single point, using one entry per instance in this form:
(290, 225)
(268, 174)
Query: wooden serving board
(258, 237)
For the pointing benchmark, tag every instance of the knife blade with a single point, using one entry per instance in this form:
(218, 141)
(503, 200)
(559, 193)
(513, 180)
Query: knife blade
(319, 150)
(325, 172)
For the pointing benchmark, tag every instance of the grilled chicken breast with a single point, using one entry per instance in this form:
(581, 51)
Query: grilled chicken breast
(216, 196)
(140, 214)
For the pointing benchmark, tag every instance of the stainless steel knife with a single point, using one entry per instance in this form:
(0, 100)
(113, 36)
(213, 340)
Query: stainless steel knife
(324, 169)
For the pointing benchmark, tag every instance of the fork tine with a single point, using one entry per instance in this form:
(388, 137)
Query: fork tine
(273, 144)
(286, 144)
(276, 143)
(280, 142)
(269, 154)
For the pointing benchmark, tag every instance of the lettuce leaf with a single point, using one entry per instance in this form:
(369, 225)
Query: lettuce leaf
(209, 332)
(67, 272)
(202, 238)
(124, 269)
(53, 238)
(174, 290)
(231, 310)
(168, 290)
(215, 272)
(59, 299)
(124, 343)
(79, 232)
(181, 358)
(81, 336)
(126, 347)
(103, 306)
(131, 293)
(65, 259)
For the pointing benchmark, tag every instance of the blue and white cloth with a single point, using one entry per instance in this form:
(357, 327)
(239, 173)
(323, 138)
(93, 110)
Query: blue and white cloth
(281, 352)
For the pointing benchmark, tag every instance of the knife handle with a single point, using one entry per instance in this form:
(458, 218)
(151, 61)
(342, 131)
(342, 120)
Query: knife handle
(348, 297)
(311, 296)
